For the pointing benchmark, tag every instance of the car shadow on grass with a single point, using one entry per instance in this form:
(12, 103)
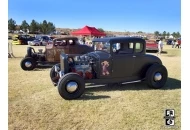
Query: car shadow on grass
(90, 96)
(42, 68)
(155, 52)
(170, 85)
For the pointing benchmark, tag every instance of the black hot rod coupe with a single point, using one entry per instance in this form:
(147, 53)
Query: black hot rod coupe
(114, 60)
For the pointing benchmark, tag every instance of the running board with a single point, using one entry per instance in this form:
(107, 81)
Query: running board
(98, 85)
(132, 82)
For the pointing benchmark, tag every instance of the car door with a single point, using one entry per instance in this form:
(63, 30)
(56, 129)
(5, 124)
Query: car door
(123, 61)
(61, 46)
(140, 59)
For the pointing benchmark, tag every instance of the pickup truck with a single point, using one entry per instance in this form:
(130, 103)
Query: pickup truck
(151, 45)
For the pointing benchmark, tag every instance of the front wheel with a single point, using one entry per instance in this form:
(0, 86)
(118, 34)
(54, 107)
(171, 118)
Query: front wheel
(71, 86)
(156, 76)
(28, 63)
(54, 75)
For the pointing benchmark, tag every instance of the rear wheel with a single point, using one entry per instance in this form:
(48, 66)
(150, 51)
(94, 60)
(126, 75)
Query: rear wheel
(71, 86)
(156, 76)
(28, 63)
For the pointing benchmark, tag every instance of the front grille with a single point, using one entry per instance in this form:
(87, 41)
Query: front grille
(64, 62)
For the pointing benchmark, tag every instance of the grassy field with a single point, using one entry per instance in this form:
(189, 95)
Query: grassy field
(34, 103)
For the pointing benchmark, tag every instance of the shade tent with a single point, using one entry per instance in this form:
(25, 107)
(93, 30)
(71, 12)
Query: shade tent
(88, 31)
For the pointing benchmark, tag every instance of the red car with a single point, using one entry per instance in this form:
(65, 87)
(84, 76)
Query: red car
(151, 45)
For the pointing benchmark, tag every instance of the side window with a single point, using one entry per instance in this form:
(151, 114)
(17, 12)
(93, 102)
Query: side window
(45, 38)
(62, 43)
(138, 47)
(116, 47)
(71, 42)
(130, 45)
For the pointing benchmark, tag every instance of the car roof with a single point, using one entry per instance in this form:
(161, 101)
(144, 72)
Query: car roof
(64, 38)
(107, 39)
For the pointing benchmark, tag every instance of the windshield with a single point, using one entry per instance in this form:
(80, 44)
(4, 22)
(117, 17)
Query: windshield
(104, 46)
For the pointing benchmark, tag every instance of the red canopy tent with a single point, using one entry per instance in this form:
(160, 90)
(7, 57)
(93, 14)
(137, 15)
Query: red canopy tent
(88, 31)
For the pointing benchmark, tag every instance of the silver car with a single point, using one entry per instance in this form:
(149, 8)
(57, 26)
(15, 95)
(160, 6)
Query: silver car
(42, 41)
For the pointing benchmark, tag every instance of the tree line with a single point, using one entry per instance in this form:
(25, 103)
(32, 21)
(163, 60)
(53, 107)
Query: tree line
(48, 27)
(44, 27)
(164, 34)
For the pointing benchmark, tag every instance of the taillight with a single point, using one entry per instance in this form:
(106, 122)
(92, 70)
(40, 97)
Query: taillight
(20, 41)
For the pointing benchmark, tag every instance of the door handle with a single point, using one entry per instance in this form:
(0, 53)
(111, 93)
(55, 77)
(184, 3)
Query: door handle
(134, 56)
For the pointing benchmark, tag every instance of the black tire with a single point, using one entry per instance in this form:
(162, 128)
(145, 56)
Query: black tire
(67, 79)
(53, 75)
(150, 75)
(28, 59)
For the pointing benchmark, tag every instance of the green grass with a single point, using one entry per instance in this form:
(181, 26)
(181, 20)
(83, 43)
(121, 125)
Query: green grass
(34, 103)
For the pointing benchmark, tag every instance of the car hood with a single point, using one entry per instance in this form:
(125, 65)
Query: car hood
(100, 55)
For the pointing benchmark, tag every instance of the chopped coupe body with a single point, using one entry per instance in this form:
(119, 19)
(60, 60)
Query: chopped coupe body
(114, 60)
(51, 55)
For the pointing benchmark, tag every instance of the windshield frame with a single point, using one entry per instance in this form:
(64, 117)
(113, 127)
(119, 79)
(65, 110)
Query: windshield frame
(102, 46)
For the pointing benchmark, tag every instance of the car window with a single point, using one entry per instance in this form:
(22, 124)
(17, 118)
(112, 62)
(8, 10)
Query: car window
(124, 48)
(130, 45)
(62, 43)
(71, 42)
(103, 46)
(28, 36)
(138, 47)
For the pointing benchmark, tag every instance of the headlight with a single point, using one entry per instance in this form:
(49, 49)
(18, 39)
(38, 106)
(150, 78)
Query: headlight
(61, 73)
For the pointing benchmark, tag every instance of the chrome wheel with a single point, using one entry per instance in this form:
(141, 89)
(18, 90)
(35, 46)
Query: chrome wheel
(71, 86)
(157, 77)
(28, 64)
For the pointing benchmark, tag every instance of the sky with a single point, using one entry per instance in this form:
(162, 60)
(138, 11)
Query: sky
(111, 15)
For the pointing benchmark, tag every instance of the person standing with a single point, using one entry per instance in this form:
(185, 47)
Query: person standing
(160, 47)
(173, 43)
(178, 44)
(84, 41)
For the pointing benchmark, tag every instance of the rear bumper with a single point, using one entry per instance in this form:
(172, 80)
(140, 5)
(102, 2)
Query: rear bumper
(16, 43)
(152, 49)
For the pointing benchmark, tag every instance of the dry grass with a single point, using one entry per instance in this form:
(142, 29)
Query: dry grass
(34, 103)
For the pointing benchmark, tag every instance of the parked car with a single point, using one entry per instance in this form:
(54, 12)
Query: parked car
(169, 42)
(41, 41)
(151, 45)
(118, 60)
(21, 39)
(51, 55)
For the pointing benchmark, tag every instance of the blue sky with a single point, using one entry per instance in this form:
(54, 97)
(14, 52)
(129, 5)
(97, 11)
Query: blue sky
(113, 15)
